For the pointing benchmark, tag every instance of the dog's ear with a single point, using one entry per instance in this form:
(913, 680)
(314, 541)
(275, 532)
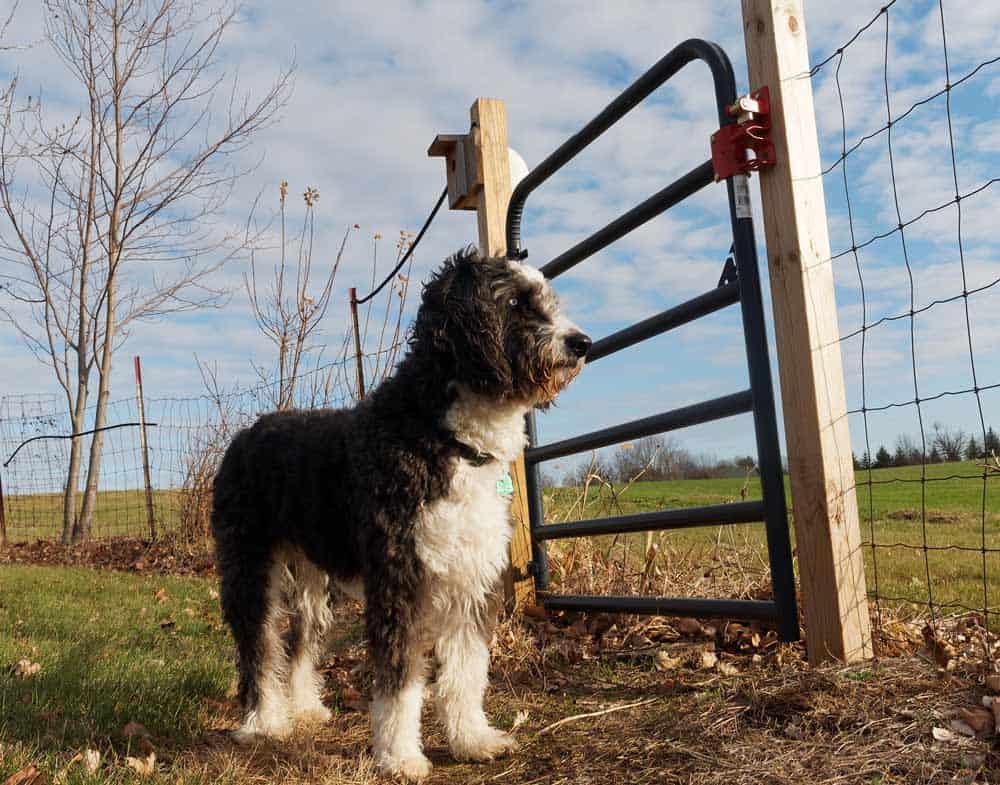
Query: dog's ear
(476, 328)
(459, 322)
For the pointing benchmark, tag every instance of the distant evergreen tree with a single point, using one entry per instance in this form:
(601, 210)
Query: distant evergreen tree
(992, 443)
(900, 457)
(857, 463)
(883, 459)
(865, 462)
(973, 452)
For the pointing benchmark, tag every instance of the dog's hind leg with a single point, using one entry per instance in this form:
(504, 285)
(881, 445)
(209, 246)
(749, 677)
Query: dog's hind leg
(309, 622)
(253, 604)
(463, 655)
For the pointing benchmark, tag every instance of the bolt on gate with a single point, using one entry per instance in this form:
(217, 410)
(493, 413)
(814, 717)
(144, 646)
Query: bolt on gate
(743, 125)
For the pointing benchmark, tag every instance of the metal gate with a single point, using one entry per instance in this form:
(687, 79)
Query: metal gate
(740, 283)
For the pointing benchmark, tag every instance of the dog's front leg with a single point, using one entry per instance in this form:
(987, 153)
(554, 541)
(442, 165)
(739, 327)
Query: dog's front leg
(463, 654)
(399, 665)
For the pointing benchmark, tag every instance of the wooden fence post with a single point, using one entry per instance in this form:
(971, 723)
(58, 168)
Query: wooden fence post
(144, 444)
(478, 168)
(359, 361)
(820, 461)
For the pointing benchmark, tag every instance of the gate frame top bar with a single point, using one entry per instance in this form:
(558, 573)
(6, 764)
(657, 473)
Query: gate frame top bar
(672, 62)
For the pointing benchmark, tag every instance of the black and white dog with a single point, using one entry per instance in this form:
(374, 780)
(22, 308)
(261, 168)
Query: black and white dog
(395, 502)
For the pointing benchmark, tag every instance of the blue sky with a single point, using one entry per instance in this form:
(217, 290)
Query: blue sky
(376, 81)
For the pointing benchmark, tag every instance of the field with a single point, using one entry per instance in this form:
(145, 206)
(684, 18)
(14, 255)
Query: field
(889, 501)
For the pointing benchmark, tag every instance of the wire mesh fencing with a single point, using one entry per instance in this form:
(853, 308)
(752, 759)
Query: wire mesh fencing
(185, 440)
(905, 109)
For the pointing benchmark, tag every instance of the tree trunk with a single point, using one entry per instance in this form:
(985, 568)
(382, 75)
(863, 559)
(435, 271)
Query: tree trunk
(69, 493)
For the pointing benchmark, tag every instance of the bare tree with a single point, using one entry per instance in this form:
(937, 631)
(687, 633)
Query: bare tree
(949, 442)
(289, 312)
(112, 215)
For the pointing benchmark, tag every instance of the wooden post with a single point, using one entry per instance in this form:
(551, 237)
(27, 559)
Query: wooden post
(825, 511)
(144, 444)
(484, 185)
(358, 359)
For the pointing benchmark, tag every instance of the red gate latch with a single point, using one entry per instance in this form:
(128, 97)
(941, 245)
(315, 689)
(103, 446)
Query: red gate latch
(751, 131)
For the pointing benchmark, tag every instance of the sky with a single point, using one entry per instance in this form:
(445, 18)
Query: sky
(375, 82)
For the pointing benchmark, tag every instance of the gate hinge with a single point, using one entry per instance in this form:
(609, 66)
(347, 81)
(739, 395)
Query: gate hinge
(751, 131)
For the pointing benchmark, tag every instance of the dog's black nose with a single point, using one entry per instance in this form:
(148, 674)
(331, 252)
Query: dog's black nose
(578, 344)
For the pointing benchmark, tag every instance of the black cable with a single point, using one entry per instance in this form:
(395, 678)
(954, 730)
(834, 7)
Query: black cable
(74, 435)
(409, 251)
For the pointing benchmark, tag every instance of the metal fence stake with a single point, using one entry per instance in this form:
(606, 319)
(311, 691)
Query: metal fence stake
(144, 444)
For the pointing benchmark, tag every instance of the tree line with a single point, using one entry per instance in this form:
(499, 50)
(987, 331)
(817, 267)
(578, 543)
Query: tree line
(943, 444)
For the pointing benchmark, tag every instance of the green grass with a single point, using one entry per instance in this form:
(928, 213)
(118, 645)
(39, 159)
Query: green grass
(110, 653)
(118, 513)
(890, 502)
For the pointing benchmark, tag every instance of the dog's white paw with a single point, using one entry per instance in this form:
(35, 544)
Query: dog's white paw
(412, 767)
(313, 715)
(257, 727)
(485, 745)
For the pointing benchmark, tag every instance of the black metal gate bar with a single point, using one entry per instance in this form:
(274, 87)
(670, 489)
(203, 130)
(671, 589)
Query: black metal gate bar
(695, 308)
(759, 399)
(684, 417)
(660, 202)
(764, 610)
(679, 518)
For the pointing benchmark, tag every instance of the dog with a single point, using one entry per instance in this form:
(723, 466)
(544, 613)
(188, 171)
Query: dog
(395, 502)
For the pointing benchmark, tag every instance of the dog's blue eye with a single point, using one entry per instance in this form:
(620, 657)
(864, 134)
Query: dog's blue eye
(512, 302)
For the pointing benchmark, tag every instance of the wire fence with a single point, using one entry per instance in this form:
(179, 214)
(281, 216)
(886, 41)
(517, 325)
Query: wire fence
(902, 111)
(186, 437)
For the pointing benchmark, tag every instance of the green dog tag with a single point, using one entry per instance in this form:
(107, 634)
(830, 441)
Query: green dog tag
(505, 485)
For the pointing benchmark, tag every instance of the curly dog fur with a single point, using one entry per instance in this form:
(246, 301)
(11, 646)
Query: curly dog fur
(394, 501)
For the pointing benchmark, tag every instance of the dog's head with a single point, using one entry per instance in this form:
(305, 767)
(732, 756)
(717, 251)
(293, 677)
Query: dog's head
(496, 326)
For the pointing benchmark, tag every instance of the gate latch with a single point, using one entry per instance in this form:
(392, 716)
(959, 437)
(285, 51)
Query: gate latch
(751, 131)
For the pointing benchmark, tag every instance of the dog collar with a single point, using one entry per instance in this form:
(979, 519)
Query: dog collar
(471, 454)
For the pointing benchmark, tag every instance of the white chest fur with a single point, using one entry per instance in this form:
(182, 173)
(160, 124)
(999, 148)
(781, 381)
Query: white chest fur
(462, 538)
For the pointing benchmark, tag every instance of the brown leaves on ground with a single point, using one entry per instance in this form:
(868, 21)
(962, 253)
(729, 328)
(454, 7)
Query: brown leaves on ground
(135, 729)
(25, 668)
(89, 759)
(129, 554)
(145, 766)
(29, 775)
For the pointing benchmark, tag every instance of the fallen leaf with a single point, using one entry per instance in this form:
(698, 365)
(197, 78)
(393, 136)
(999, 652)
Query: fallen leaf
(213, 594)
(535, 612)
(943, 734)
(664, 662)
(708, 659)
(689, 627)
(133, 728)
(89, 759)
(144, 767)
(29, 775)
(728, 669)
(996, 715)
(351, 699)
(979, 719)
(962, 728)
(161, 595)
(25, 668)
(993, 682)
(942, 651)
